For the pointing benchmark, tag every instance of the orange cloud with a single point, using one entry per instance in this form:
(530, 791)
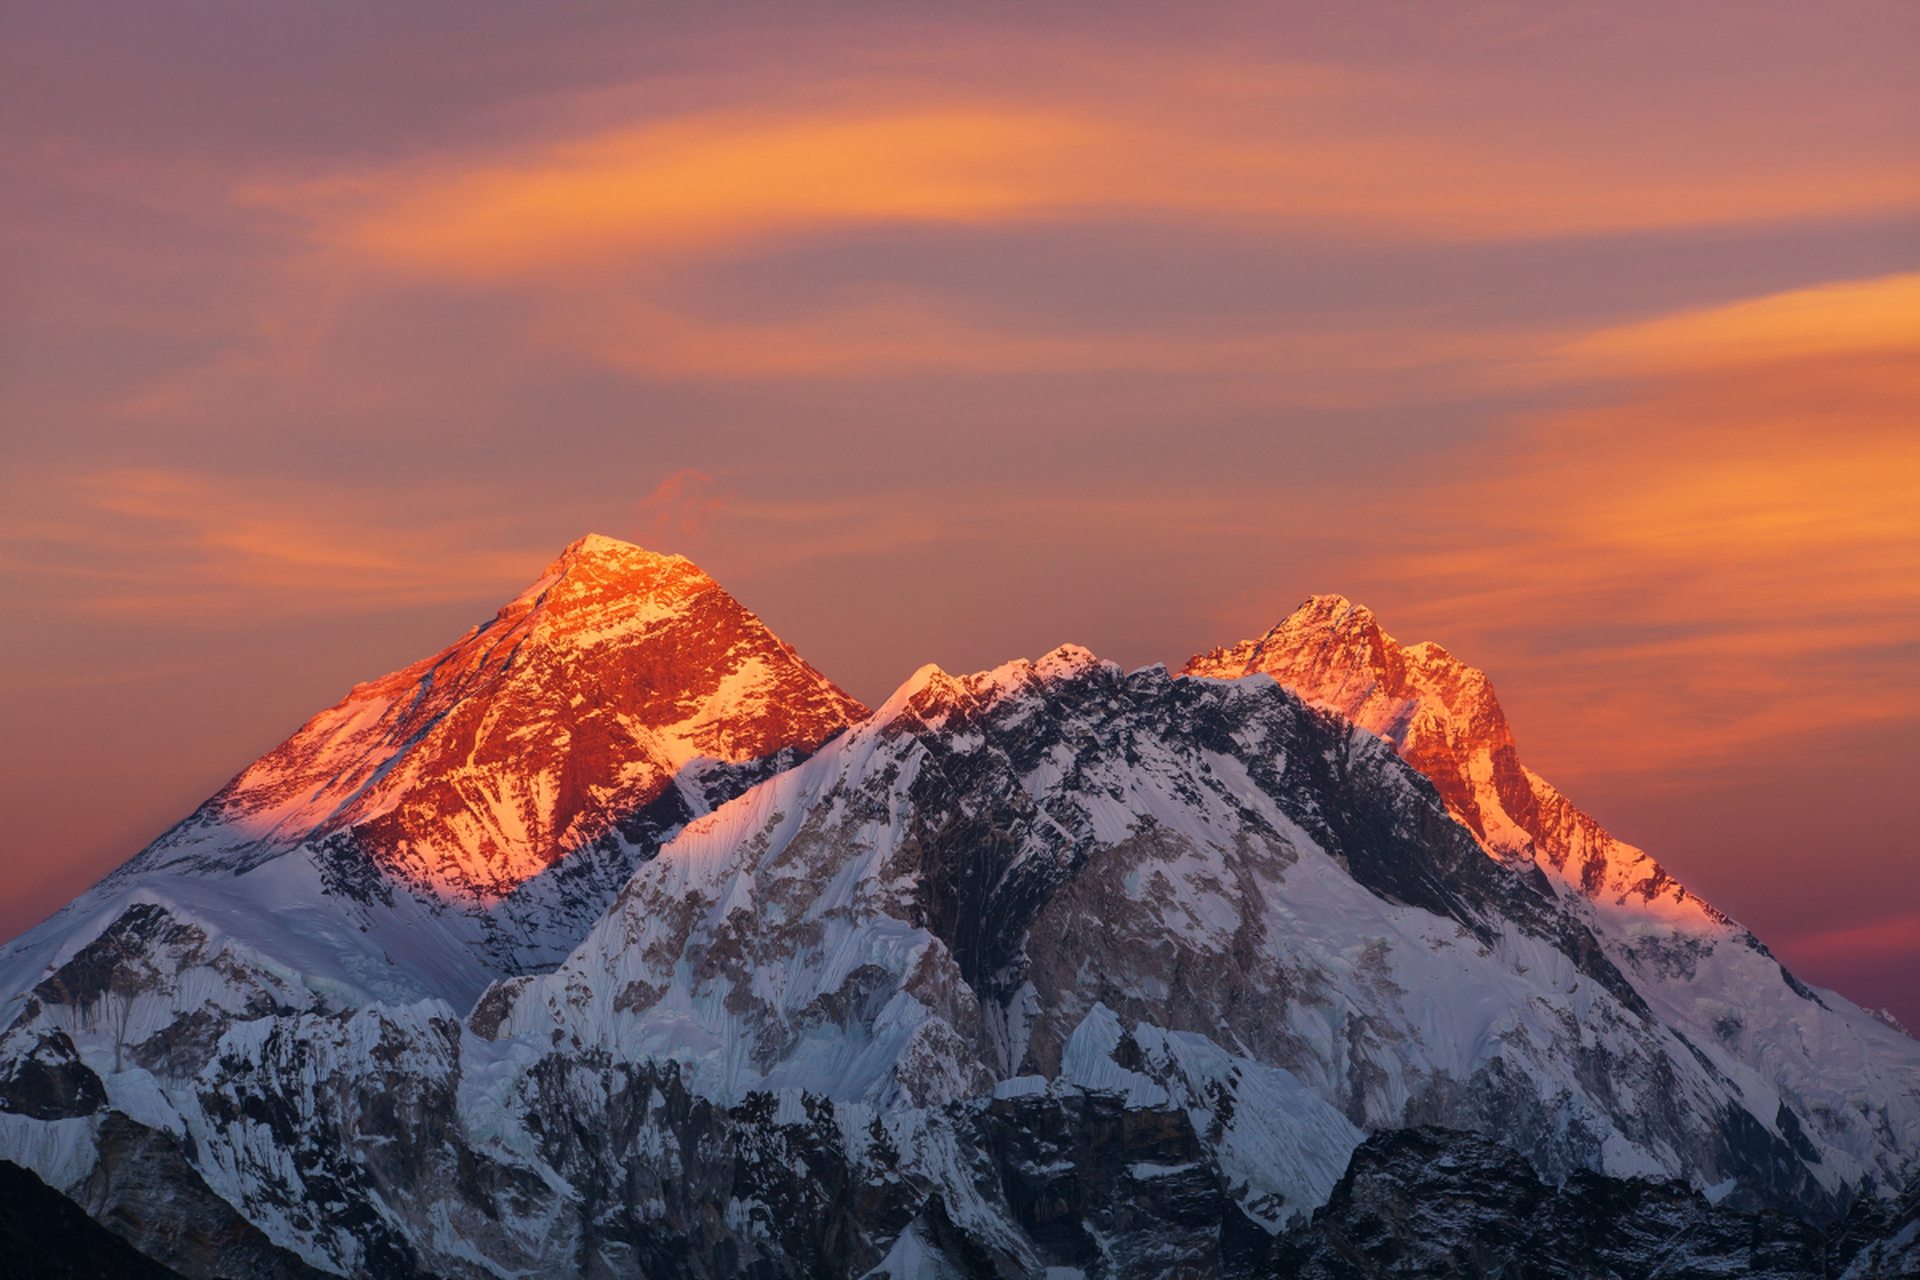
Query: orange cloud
(661, 188)
(903, 333)
(656, 191)
(1728, 556)
(613, 195)
(1850, 317)
(179, 547)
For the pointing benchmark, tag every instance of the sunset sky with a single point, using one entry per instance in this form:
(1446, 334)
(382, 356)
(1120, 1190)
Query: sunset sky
(1581, 338)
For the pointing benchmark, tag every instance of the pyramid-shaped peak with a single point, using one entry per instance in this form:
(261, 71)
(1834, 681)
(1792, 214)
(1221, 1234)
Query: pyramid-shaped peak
(1332, 608)
(600, 557)
(1318, 623)
(1330, 616)
(537, 733)
(606, 576)
(1347, 633)
(1334, 651)
(599, 548)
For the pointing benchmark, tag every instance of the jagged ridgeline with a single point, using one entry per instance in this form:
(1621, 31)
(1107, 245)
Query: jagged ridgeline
(615, 940)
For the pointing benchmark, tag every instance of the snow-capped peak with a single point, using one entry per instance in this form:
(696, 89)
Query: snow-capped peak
(931, 698)
(1443, 717)
(532, 736)
(1697, 969)
(997, 871)
(600, 545)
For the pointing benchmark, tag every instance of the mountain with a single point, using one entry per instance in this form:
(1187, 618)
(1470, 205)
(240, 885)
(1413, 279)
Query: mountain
(945, 899)
(1702, 974)
(1426, 1201)
(1055, 969)
(537, 735)
(1443, 718)
(473, 814)
(46, 1236)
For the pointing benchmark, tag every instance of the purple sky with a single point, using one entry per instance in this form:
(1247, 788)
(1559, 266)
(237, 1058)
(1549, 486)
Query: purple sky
(1579, 338)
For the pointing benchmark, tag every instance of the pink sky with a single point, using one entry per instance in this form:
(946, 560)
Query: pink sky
(1579, 338)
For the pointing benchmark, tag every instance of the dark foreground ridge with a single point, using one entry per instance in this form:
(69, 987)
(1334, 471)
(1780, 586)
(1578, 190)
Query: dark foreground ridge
(1437, 1202)
(1110, 1191)
(45, 1236)
(148, 1216)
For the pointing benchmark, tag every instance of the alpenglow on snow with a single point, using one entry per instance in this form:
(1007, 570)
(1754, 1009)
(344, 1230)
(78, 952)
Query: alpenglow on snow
(617, 940)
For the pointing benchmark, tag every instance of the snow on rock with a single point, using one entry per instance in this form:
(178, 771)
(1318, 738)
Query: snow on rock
(534, 736)
(473, 814)
(941, 899)
(1713, 981)
(1050, 970)
(1443, 718)
(1280, 1145)
(462, 820)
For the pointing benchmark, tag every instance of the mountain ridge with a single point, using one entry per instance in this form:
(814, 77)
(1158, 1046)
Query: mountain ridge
(1054, 965)
(1444, 718)
(470, 814)
(421, 763)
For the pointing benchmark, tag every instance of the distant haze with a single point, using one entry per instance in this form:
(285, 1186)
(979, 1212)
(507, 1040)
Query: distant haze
(1581, 339)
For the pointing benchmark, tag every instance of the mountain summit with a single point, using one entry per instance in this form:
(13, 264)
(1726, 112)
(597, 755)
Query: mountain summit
(538, 733)
(473, 814)
(1703, 975)
(1442, 717)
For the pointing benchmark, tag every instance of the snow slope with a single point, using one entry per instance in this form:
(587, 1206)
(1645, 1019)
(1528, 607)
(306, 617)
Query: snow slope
(938, 902)
(1703, 974)
(1050, 970)
(473, 814)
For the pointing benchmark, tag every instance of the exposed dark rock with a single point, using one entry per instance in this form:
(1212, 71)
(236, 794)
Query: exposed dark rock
(672, 1184)
(1436, 1202)
(106, 965)
(50, 1082)
(146, 1191)
(45, 1236)
(1108, 1189)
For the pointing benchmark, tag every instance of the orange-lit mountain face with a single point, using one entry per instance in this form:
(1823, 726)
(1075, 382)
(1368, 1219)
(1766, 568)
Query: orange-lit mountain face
(526, 958)
(541, 731)
(1441, 715)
